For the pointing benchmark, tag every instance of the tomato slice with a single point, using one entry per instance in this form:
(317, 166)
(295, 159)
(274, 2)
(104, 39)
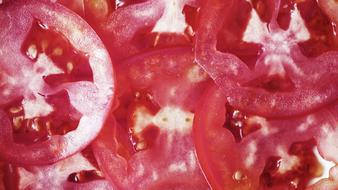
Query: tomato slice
(276, 154)
(75, 172)
(150, 145)
(146, 25)
(282, 82)
(129, 27)
(56, 83)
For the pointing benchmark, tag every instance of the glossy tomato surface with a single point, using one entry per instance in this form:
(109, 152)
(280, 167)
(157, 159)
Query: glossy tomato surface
(168, 94)
(56, 83)
(269, 61)
(150, 145)
(251, 152)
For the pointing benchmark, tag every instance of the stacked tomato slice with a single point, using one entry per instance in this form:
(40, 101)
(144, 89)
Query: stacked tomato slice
(169, 94)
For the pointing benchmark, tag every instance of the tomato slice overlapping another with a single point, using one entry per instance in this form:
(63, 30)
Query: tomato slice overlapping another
(277, 154)
(157, 92)
(45, 85)
(282, 82)
(168, 94)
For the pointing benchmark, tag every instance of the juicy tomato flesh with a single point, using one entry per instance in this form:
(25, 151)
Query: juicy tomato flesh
(37, 129)
(230, 36)
(131, 103)
(245, 151)
(85, 176)
(323, 32)
(74, 66)
(300, 176)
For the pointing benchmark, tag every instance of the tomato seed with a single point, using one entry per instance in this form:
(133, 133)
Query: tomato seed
(237, 123)
(57, 51)
(70, 67)
(239, 176)
(32, 52)
(17, 122)
(16, 109)
(84, 176)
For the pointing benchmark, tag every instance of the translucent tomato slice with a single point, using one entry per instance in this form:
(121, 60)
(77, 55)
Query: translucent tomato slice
(146, 25)
(75, 172)
(282, 82)
(244, 151)
(150, 146)
(56, 83)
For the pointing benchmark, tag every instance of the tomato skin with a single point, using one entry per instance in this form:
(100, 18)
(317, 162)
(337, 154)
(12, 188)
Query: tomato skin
(54, 16)
(224, 160)
(218, 115)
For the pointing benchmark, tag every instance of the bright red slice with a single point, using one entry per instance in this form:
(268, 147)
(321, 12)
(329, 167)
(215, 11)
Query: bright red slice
(282, 82)
(150, 146)
(251, 152)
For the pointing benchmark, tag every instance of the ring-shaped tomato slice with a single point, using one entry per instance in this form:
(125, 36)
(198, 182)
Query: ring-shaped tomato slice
(25, 77)
(283, 81)
(272, 155)
(156, 105)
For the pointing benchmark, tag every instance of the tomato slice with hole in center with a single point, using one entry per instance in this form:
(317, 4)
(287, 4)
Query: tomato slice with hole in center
(57, 83)
(245, 151)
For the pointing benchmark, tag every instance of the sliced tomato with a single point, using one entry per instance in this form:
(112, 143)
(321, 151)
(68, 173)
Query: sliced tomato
(145, 25)
(282, 82)
(75, 172)
(244, 151)
(128, 27)
(150, 145)
(56, 83)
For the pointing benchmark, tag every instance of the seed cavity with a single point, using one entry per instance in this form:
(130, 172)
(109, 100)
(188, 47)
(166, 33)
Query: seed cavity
(35, 124)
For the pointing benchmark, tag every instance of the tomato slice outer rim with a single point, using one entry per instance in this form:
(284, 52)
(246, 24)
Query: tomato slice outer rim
(208, 128)
(92, 99)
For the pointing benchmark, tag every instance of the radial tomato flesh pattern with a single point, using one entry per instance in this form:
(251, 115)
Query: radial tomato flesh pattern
(50, 65)
(313, 79)
(210, 94)
(157, 88)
